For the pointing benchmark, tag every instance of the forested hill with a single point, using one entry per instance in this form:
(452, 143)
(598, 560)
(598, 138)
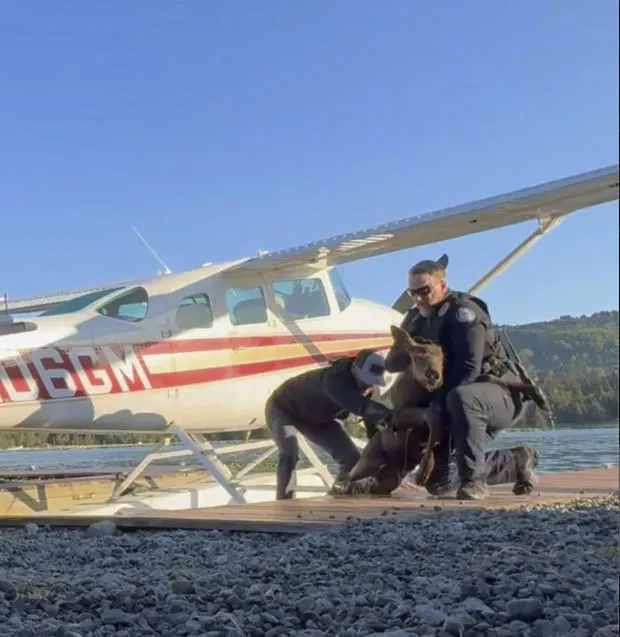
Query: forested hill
(576, 361)
(591, 341)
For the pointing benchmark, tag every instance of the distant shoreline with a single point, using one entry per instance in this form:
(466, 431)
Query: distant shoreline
(48, 447)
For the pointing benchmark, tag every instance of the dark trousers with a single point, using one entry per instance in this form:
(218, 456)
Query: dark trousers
(330, 436)
(475, 413)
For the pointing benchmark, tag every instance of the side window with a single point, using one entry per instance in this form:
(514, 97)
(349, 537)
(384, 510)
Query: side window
(194, 311)
(301, 298)
(340, 291)
(246, 305)
(131, 306)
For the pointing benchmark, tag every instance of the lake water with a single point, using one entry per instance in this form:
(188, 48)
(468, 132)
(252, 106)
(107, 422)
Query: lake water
(560, 450)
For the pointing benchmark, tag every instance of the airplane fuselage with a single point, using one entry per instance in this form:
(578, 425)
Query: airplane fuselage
(202, 349)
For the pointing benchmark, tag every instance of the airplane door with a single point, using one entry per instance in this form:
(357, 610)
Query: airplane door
(253, 351)
(197, 355)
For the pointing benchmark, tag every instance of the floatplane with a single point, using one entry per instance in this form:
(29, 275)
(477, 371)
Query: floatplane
(198, 352)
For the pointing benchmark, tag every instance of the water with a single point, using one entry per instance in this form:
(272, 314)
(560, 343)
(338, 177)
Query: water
(560, 450)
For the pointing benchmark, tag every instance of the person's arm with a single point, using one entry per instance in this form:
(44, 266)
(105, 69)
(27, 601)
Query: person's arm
(467, 342)
(341, 389)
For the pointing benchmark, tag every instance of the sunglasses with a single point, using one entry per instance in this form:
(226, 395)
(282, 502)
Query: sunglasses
(425, 290)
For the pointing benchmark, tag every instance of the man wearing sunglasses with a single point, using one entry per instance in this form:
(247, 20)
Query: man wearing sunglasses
(313, 402)
(471, 412)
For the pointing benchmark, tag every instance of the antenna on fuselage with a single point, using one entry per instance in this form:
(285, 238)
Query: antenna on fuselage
(167, 270)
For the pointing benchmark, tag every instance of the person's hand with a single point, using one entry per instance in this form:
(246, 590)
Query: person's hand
(377, 414)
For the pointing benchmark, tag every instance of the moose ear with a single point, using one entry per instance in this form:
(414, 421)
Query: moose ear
(401, 337)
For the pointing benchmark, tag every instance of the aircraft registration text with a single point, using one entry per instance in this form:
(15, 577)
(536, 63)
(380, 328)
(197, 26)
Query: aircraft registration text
(55, 373)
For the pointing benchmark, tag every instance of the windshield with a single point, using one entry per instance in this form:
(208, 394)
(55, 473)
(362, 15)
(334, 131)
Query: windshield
(79, 302)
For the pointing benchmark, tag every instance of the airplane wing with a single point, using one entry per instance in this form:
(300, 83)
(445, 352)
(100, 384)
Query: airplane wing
(546, 202)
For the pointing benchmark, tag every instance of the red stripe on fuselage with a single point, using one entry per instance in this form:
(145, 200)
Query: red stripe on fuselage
(20, 383)
(183, 346)
(232, 372)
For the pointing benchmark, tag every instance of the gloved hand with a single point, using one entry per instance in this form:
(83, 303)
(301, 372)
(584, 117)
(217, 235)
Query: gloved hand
(377, 414)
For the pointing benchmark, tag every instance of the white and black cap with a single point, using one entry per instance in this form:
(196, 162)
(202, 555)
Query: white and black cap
(370, 367)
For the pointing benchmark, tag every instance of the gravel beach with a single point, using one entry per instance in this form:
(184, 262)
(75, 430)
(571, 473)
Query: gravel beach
(537, 572)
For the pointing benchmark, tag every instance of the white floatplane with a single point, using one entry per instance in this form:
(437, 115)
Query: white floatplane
(199, 351)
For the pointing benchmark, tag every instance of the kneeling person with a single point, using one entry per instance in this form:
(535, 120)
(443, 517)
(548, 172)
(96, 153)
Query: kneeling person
(311, 402)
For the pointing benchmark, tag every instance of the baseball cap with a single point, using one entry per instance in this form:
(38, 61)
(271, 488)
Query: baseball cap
(370, 366)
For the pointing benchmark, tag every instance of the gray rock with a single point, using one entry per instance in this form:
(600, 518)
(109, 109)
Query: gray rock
(504, 575)
(430, 615)
(31, 529)
(105, 528)
(526, 610)
(453, 626)
(475, 605)
(182, 587)
(542, 628)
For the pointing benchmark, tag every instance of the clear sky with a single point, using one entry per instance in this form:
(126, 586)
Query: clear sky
(222, 128)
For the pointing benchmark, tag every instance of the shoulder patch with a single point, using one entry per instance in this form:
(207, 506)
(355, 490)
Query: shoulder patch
(443, 309)
(465, 315)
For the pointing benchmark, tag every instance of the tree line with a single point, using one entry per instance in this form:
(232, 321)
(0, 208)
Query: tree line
(574, 359)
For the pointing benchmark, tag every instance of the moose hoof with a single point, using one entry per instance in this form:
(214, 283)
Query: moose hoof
(522, 488)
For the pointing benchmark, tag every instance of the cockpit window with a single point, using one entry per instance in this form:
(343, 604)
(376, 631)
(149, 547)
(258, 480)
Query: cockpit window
(340, 291)
(301, 298)
(79, 302)
(131, 306)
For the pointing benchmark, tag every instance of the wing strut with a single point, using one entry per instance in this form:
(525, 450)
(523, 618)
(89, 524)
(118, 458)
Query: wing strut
(544, 226)
(403, 303)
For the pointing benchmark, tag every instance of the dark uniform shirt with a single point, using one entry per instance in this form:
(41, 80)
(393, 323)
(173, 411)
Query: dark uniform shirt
(463, 327)
(318, 396)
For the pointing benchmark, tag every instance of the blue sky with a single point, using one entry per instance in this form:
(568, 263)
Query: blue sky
(211, 125)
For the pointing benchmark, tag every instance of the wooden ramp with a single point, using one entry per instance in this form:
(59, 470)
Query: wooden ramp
(48, 492)
(324, 512)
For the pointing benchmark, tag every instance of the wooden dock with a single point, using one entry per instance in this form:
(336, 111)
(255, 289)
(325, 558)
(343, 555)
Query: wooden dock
(48, 492)
(323, 512)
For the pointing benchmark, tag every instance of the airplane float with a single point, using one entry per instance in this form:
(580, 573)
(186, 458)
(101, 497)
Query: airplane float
(199, 351)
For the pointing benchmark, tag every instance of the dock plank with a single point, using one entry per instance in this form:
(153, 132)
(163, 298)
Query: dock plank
(311, 514)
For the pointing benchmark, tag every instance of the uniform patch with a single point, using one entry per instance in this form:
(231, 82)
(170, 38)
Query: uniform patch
(465, 315)
(443, 309)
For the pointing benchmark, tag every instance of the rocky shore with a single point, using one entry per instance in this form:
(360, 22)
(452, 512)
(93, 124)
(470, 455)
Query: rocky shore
(538, 572)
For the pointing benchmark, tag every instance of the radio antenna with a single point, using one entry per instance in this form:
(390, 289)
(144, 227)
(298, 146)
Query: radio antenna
(167, 270)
